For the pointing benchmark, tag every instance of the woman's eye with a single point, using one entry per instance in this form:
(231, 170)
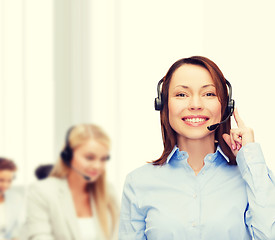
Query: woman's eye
(181, 95)
(90, 157)
(104, 159)
(210, 94)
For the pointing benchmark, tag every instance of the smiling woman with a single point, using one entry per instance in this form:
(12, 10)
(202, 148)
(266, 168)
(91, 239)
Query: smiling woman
(210, 182)
(204, 74)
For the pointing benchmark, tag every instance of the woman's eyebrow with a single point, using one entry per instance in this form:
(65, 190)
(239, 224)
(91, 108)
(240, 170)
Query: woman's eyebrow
(208, 85)
(204, 86)
(182, 86)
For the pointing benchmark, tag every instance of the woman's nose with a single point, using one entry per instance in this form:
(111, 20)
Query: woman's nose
(195, 103)
(97, 164)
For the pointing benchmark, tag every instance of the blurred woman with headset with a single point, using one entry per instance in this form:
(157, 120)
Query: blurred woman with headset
(211, 181)
(74, 202)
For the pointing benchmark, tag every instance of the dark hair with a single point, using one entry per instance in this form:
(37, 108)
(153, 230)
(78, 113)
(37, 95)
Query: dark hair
(7, 164)
(169, 136)
(43, 171)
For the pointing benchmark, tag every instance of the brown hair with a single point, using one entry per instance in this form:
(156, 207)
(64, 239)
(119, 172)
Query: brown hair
(7, 164)
(168, 134)
(104, 202)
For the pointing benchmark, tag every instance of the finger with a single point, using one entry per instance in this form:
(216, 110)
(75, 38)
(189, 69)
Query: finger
(227, 139)
(239, 121)
(236, 136)
(233, 144)
(239, 146)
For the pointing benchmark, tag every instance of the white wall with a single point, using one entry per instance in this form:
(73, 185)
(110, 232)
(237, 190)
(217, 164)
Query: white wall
(26, 86)
(100, 61)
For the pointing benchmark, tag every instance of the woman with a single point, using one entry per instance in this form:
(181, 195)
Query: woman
(11, 202)
(74, 201)
(209, 183)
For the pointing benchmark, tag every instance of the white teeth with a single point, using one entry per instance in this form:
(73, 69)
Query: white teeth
(195, 120)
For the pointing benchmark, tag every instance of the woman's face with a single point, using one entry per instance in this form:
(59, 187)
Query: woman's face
(90, 159)
(6, 177)
(193, 103)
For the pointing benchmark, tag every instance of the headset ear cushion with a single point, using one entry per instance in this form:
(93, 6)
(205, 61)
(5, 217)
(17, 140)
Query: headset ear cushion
(158, 100)
(66, 155)
(158, 104)
(231, 106)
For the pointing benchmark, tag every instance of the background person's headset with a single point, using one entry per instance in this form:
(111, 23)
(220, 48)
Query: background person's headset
(67, 155)
(228, 112)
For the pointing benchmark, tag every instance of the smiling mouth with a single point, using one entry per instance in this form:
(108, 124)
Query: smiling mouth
(93, 173)
(195, 119)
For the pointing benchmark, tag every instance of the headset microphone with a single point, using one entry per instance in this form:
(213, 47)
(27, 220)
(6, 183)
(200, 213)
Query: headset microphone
(214, 126)
(229, 110)
(87, 178)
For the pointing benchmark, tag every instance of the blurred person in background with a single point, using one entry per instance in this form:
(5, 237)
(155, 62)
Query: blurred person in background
(75, 202)
(11, 202)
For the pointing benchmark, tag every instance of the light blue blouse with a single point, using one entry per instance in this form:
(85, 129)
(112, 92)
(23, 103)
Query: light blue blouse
(223, 202)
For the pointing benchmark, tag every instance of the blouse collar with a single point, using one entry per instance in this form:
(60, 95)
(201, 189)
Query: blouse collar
(176, 154)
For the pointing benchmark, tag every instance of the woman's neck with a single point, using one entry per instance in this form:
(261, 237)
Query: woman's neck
(197, 150)
(76, 183)
(81, 197)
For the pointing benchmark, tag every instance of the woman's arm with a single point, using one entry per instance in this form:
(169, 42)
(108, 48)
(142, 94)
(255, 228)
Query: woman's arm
(132, 219)
(260, 214)
(260, 182)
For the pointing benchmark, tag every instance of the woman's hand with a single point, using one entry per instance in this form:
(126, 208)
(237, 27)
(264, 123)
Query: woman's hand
(239, 136)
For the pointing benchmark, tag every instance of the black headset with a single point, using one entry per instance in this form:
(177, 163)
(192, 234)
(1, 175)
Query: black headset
(158, 99)
(67, 153)
(230, 102)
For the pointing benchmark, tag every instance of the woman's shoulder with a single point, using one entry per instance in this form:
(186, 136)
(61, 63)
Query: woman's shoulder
(146, 173)
(15, 194)
(47, 186)
(49, 181)
(144, 169)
